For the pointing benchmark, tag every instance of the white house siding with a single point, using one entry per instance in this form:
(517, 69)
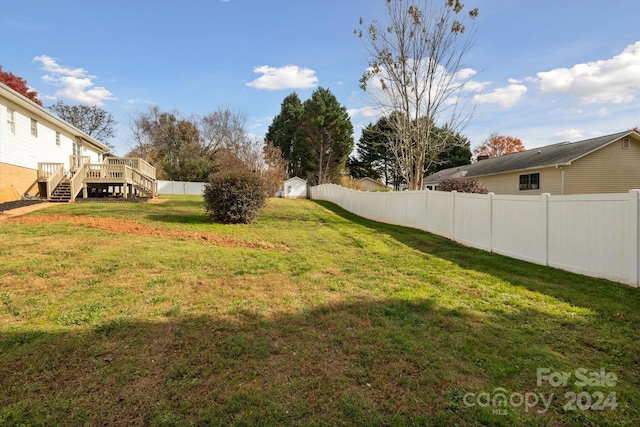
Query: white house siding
(25, 150)
(20, 151)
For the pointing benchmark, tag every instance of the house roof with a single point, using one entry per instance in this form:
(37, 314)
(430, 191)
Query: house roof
(41, 112)
(295, 178)
(373, 181)
(561, 154)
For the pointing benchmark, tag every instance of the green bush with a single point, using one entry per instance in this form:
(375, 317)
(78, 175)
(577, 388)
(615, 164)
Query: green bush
(234, 196)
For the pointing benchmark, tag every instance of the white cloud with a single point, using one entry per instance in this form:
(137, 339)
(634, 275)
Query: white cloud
(365, 112)
(570, 134)
(464, 74)
(463, 77)
(76, 84)
(615, 80)
(449, 91)
(505, 96)
(287, 77)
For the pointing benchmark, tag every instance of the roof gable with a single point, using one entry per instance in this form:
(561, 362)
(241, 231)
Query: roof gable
(373, 181)
(295, 178)
(551, 155)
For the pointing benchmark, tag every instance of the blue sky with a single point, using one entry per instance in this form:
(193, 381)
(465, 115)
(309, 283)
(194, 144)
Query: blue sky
(550, 70)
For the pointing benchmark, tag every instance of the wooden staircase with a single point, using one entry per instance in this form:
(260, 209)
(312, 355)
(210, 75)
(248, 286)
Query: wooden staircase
(62, 192)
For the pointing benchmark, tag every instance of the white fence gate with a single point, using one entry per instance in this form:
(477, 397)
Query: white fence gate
(597, 235)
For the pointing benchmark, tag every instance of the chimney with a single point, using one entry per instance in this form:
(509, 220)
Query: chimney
(483, 157)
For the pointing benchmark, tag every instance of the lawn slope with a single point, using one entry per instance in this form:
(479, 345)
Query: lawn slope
(147, 314)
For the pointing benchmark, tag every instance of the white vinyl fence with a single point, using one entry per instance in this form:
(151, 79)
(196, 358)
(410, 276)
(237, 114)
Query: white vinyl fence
(180, 187)
(597, 235)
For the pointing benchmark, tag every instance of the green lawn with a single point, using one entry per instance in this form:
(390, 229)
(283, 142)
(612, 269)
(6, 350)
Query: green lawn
(309, 316)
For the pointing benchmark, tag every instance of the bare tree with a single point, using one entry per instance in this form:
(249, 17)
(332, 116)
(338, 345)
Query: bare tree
(415, 76)
(172, 144)
(92, 120)
(223, 128)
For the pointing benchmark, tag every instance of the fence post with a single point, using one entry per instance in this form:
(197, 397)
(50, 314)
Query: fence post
(453, 215)
(634, 238)
(545, 225)
(490, 221)
(426, 209)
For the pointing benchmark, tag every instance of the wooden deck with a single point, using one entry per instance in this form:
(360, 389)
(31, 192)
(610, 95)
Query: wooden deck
(121, 176)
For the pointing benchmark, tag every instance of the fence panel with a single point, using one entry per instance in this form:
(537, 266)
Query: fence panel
(440, 213)
(595, 235)
(472, 218)
(416, 209)
(180, 187)
(397, 213)
(586, 234)
(519, 227)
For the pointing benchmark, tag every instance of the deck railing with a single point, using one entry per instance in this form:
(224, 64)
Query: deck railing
(52, 174)
(116, 170)
(104, 172)
(134, 163)
(77, 161)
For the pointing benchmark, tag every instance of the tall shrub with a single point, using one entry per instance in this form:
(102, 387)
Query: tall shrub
(234, 196)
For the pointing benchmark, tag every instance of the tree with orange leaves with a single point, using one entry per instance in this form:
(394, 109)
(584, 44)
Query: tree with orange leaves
(19, 85)
(498, 145)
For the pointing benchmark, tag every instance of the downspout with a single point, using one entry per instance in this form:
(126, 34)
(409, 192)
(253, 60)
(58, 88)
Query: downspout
(562, 179)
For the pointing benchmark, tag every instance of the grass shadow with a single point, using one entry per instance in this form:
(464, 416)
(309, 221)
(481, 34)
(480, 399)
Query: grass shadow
(569, 287)
(389, 362)
(606, 332)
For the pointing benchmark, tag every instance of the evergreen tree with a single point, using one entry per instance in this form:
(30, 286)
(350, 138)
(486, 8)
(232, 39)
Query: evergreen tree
(370, 152)
(374, 158)
(458, 152)
(284, 130)
(327, 137)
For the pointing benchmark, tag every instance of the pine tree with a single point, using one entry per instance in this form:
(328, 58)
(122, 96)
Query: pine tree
(327, 135)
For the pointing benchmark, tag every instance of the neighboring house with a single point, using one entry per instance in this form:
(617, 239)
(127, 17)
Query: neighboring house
(294, 188)
(42, 155)
(369, 184)
(607, 164)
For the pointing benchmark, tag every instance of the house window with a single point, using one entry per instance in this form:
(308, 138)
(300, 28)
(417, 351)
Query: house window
(34, 127)
(626, 143)
(11, 122)
(530, 182)
(58, 139)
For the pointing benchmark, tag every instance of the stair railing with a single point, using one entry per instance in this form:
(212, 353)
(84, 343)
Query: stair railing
(52, 174)
(77, 181)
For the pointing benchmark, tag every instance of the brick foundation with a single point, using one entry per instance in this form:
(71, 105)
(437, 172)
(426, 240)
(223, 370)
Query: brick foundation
(15, 181)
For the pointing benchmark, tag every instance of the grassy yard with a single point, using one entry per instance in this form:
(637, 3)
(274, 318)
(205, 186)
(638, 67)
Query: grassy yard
(146, 314)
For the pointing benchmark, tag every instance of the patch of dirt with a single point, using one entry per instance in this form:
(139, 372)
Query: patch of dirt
(120, 226)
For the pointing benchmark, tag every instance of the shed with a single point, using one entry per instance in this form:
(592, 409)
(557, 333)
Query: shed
(295, 188)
